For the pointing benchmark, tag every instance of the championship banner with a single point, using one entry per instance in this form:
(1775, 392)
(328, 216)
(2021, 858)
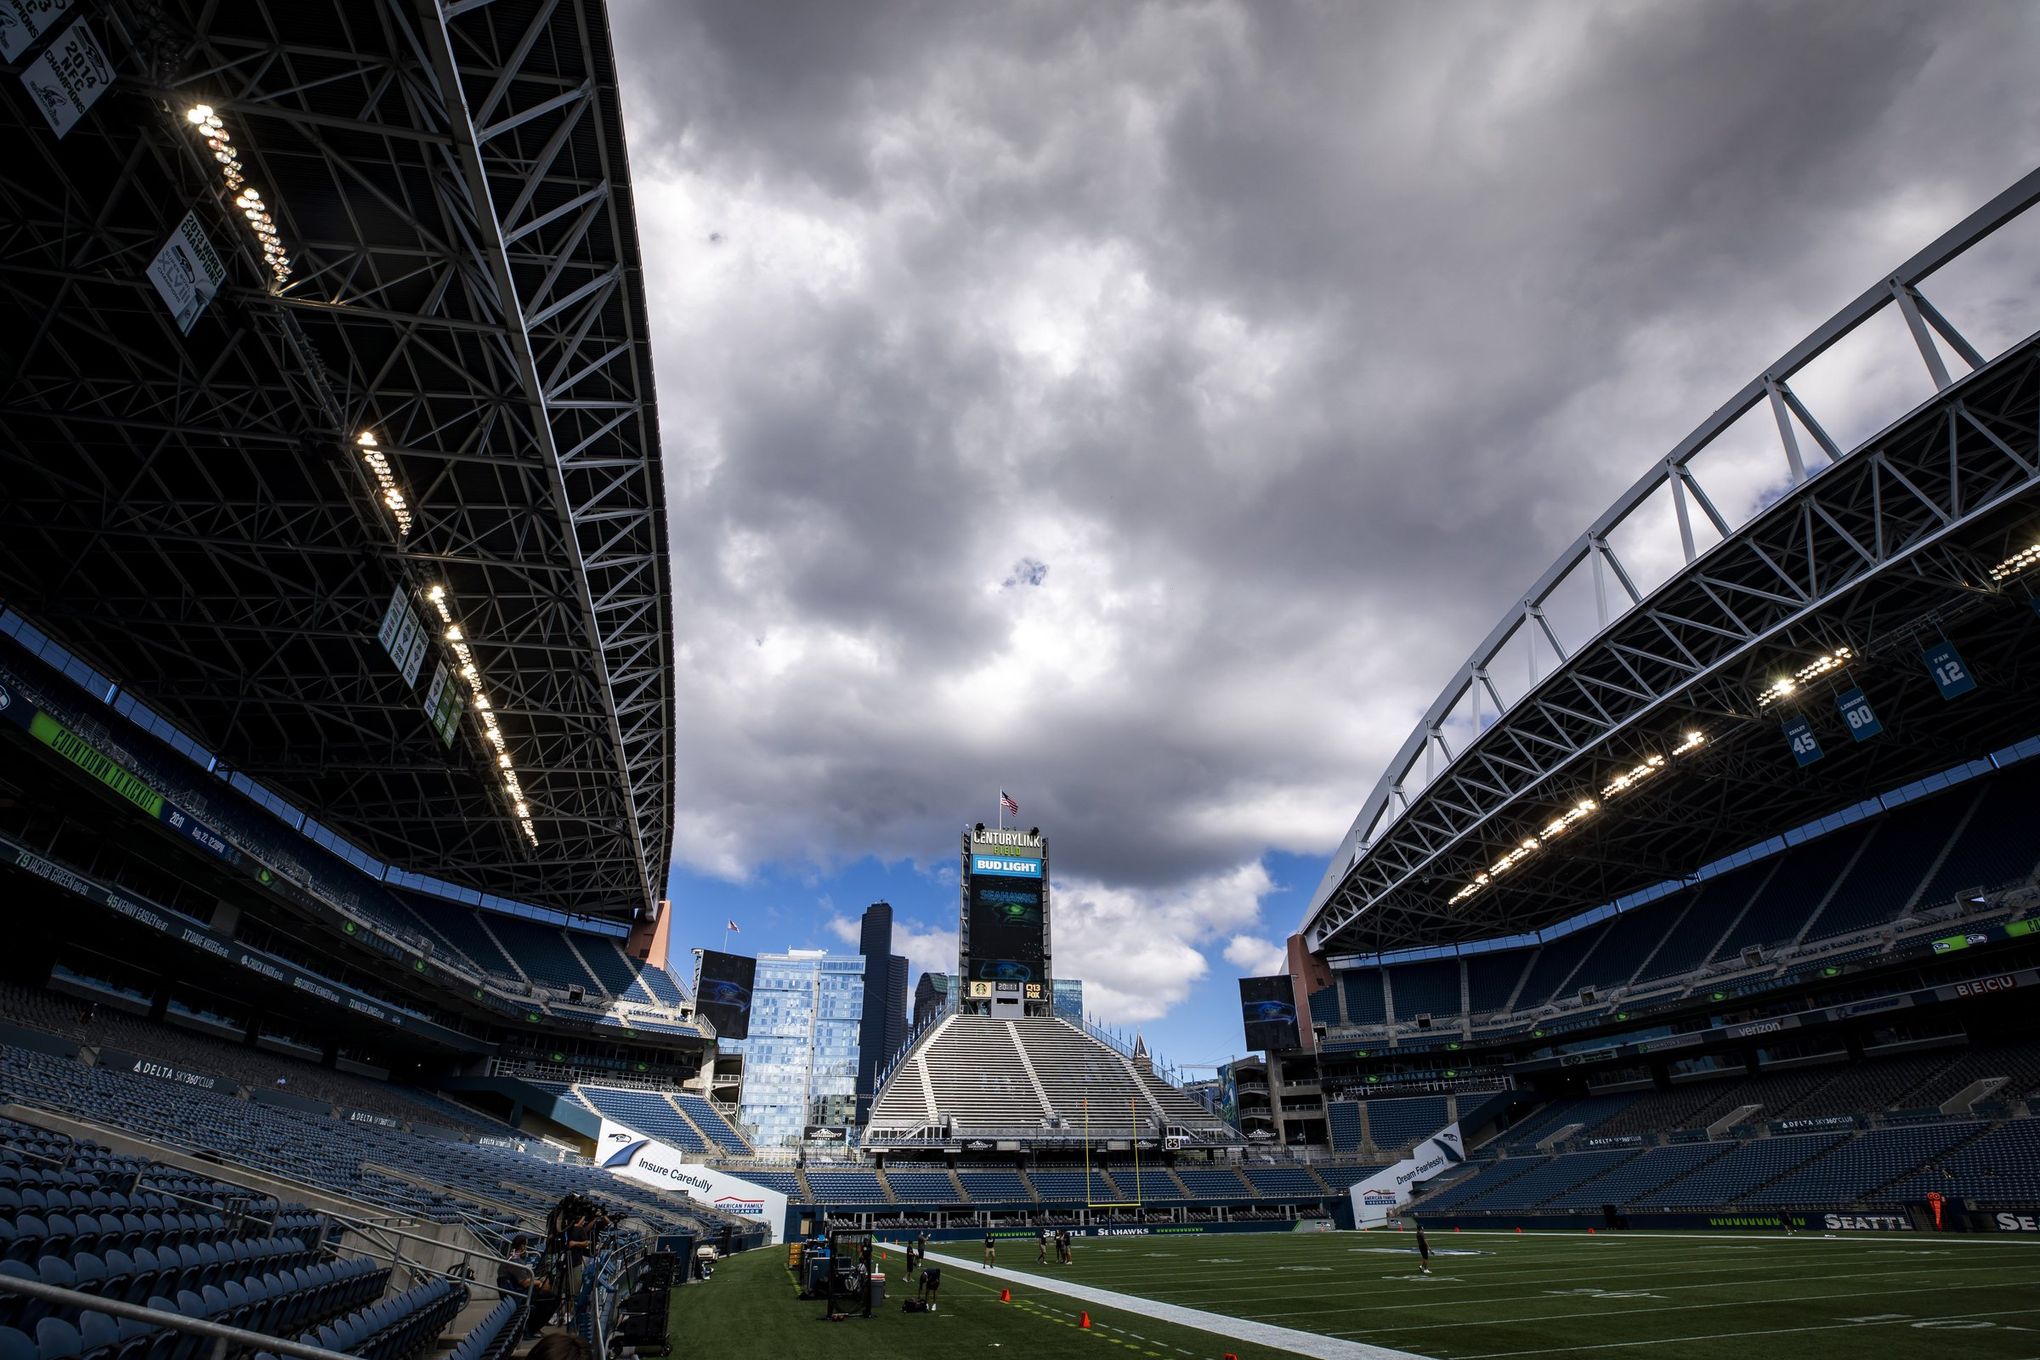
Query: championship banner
(23, 21)
(187, 273)
(627, 1153)
(68, 78)
(1389, 1189)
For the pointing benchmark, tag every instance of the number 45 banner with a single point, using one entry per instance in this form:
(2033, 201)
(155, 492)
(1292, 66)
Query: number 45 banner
(1945, 664)
(1805, 746)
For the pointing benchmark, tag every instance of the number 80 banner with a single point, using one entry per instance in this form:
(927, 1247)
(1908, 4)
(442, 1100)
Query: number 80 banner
(1860, 718)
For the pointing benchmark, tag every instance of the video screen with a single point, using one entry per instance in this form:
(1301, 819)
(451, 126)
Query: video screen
(1006, 929)
(724, 993)
(1268, 1011)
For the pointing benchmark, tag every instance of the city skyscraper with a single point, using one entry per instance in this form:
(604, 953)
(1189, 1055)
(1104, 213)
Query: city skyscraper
(801, 1059)
(884, 1022)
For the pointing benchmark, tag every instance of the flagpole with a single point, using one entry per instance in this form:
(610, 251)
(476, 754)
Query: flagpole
(1002, 809)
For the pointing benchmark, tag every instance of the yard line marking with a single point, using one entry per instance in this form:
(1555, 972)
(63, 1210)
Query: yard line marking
(1525, 1275)
(1726, 1336)
(1691, 1307)
(1459, 1300)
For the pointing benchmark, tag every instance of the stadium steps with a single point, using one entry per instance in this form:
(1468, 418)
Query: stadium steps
(1033, 1191)
(1140, 1082)
(1516, 992)
(1671, 928)
(927, 1083)
(1848, 872)
(715, 1148)
(1177, 1181)
(495, 939)
(1728, 930)
(962, 1195)
(602, 988)
(1981, 1130)
(1027, 1066)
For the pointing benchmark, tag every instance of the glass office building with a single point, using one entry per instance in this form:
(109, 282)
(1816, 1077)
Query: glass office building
(800, 1061)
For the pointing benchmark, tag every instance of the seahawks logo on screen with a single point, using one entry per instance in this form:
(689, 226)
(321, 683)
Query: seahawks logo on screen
(1270, 1012)
(1005, 970)
(1018, 913)
(722, 992)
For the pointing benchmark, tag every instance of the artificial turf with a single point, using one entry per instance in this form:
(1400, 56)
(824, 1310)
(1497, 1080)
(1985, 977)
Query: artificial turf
(1661, 1296)
(1491, 1295)
(753, 1309)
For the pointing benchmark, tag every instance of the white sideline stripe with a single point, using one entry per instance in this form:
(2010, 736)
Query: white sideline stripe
(1313, 1344)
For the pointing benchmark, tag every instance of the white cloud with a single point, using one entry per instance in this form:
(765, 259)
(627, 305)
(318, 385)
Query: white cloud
(1254, 956)
(1297, 340)
(1139, 951)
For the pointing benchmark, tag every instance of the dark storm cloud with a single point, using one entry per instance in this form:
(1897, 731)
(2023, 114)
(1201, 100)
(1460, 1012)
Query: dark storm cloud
(1298, 338)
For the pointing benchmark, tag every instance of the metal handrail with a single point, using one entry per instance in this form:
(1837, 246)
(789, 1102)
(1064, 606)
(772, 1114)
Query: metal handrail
(222, 1334)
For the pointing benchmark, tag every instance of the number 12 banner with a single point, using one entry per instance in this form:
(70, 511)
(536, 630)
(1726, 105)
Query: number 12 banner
(1950, 672)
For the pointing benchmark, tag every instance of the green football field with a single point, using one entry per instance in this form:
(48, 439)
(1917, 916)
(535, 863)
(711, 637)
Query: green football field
(1658, 1295)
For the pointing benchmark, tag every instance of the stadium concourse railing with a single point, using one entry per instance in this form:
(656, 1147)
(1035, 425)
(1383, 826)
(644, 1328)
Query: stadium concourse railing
(289, 876)
(1982, 906)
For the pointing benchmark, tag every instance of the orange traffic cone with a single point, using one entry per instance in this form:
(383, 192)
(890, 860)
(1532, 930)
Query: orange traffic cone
(1084, 1321)
(1005, 1296)
(1590, 1232)
(1519, 1231)
(1455, 1230)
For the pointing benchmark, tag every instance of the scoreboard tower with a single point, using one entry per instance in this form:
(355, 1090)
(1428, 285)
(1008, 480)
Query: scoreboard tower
(1002, 924)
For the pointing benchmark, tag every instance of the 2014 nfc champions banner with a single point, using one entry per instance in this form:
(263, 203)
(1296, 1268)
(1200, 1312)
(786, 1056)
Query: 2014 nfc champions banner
(628, 1153)
(1389, 1189)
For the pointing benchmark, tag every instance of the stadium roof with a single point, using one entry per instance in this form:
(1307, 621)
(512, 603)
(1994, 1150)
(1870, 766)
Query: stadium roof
(199, 514)
(1648, 741)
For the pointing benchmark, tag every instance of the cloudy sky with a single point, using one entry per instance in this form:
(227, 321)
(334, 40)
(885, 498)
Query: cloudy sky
(1144, 407)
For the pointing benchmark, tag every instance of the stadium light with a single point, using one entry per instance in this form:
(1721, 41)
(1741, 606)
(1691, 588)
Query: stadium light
(247, 200)
(1694, 740)
(1630, 778)
(1812, 670)
(456, 638)
(386, 481)
(2016, 563)
(1570, 818)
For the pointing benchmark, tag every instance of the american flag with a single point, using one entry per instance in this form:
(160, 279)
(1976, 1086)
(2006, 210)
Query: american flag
(1008, 803)
(732, 928)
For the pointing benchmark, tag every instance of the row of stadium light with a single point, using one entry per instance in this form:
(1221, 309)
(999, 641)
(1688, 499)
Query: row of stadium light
(386, 481)
(247, 200)
(1812, 670)
(1558, 827)
(471, 673)
(2016, 563)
